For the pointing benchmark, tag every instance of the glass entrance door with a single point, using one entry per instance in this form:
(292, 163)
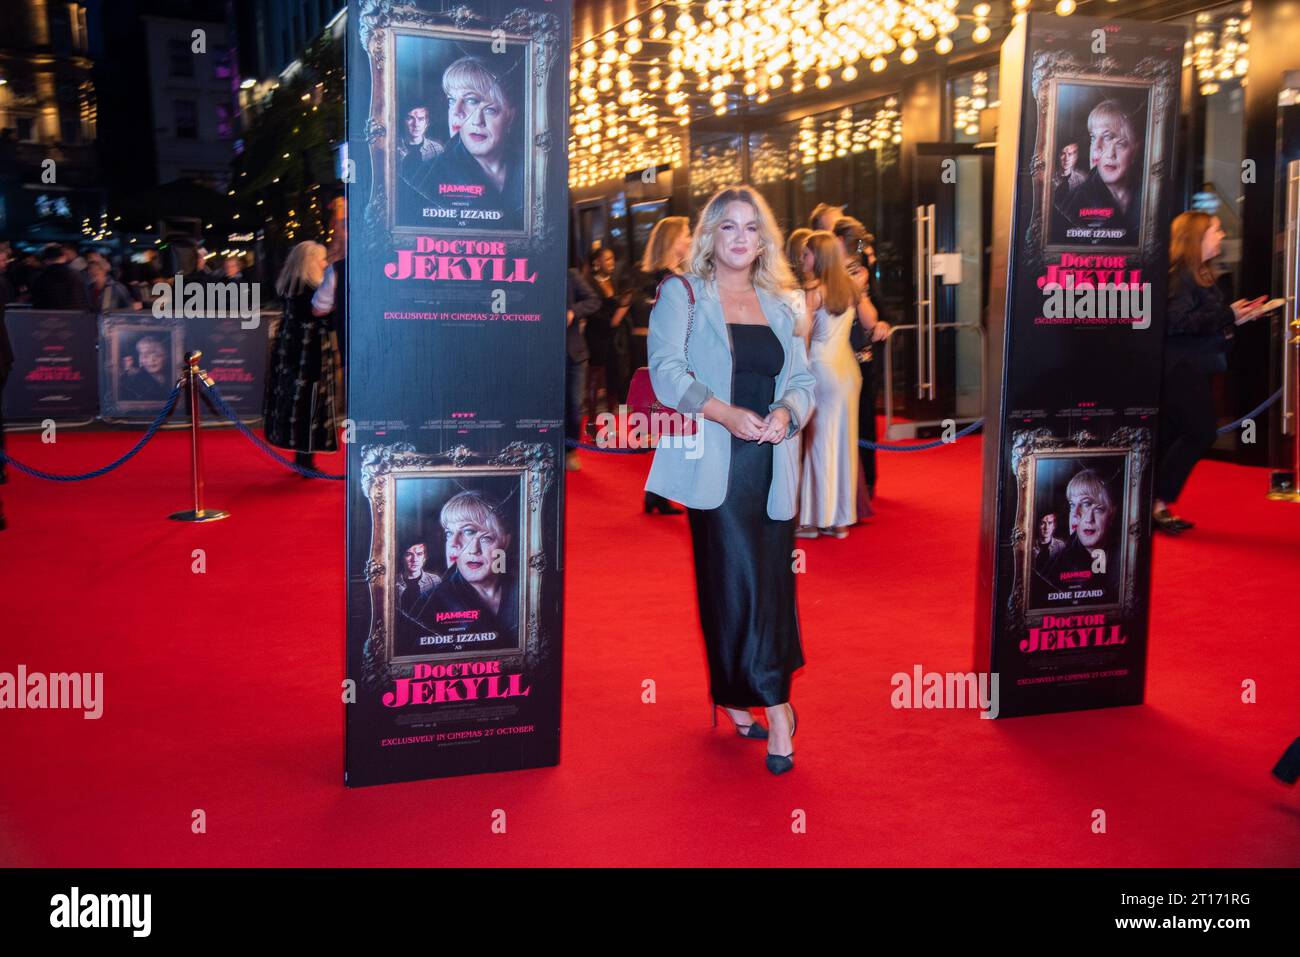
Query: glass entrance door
(934, 364)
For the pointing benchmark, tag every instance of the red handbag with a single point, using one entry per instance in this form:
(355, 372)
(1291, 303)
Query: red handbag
(641, 391)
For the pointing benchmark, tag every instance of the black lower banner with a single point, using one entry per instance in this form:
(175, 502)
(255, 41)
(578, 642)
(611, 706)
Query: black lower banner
(55, 372)
(1083, 186)
(455, 283)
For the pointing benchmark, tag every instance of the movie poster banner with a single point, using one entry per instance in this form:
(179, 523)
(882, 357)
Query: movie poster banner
(235, 354)
(141, 356)
(455, 283)
(1076, 336)
(54, 374)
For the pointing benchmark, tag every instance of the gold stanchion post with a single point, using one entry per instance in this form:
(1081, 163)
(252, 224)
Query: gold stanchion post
(198, 513)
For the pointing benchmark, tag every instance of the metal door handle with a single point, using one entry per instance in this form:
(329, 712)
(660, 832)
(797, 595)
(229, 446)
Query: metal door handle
(929, 296)
(1291, 292)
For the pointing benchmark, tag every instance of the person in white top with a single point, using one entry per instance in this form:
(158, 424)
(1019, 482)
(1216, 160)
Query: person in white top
(829, 484)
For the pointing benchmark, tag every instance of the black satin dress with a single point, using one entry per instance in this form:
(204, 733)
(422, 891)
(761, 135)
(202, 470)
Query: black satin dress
(743, 572)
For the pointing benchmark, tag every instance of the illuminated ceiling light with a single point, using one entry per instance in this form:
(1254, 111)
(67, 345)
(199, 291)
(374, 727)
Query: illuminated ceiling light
(721, 54)
(1065, 7)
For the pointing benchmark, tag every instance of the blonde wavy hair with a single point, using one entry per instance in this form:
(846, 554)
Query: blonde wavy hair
(303, 269)
(770, 271)
(838, 291)
(662, 238)
(794, 246)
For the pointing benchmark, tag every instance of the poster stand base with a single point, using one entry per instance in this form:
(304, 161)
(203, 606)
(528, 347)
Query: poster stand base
(201, 515)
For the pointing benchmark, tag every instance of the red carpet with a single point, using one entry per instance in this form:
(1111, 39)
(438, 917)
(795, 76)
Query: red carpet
(222, 690)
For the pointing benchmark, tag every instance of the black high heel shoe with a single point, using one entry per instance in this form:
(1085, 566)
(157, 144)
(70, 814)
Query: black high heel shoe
(1165, 521)
(781, 763)
(1288, 766)
(754, 731)
(657, 503)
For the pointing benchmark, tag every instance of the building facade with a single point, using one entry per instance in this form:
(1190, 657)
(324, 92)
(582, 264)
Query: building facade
(192, 99)
(49, 166)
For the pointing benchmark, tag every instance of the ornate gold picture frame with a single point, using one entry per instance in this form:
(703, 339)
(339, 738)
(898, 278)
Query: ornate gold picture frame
(1030, 449)
(1151, 75)
(531, 41)
(391, 472)
(119, 335)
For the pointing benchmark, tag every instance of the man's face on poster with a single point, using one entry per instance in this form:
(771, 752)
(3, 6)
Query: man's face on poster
(417, 123)
(1112, 149)
(414, 560)
(470, 546)
(1090, 518)
(1047, 527)
(1069, 158)
(481, 122)
(151, 356)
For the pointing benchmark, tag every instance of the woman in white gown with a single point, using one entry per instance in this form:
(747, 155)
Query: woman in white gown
(829, 485)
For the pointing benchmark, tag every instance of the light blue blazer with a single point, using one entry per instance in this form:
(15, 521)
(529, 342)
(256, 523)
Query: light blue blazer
(697, 476)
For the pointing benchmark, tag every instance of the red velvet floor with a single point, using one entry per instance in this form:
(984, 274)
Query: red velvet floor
(222, 690)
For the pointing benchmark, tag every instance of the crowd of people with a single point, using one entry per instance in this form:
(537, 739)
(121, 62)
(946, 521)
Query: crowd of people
(62, 276)
(834, 294)
(65, 276)
(831, 288)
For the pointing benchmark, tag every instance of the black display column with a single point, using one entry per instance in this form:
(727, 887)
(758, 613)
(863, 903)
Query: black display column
(1076, 336)
(456, 300)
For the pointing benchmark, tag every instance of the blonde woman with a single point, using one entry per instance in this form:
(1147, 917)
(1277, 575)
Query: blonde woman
(668, 247)
(744, 375)
(300, 394)
(665, 255)
(828, 500)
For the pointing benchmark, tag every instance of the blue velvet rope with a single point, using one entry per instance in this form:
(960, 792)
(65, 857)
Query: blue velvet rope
(83, 476)
(221, 406)
(925, 446)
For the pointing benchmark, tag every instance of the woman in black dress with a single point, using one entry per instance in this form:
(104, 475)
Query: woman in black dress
(300, 400)
(734, 361)
(665, 255)
(1199, 328)
(607, 338)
